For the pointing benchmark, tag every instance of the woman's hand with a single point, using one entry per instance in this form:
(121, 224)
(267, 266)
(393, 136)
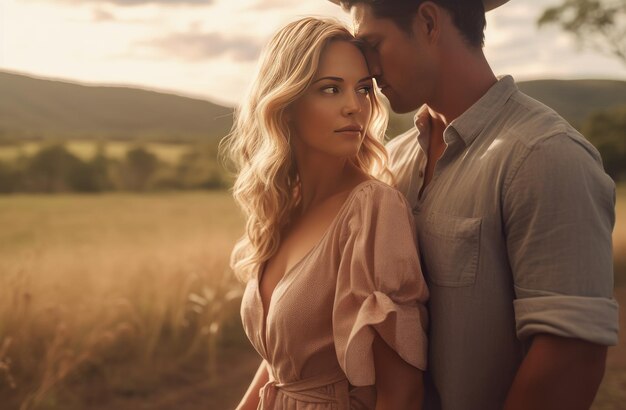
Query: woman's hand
(398, 384)
(250, 400)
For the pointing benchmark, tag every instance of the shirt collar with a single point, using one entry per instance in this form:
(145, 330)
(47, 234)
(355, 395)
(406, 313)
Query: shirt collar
(422, 124)
(469, 124)
(422, 119)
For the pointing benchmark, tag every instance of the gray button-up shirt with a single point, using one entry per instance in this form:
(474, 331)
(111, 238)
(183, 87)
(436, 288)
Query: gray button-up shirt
(514, 232)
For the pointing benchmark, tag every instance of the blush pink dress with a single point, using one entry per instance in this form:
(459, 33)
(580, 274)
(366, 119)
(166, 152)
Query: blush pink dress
(363, 277)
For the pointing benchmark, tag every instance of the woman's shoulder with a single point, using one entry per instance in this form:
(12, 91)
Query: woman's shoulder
(373, 196)
(378, 192)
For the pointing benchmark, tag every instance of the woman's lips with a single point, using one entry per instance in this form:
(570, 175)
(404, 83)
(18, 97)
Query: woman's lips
(350, 130)
(350, 133)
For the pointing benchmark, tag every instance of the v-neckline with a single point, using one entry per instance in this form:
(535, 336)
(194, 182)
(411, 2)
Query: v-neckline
(261, 267)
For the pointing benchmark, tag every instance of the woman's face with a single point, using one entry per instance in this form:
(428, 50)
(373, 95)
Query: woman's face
(333, 114)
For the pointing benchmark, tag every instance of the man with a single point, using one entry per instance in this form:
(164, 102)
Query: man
(514, 215)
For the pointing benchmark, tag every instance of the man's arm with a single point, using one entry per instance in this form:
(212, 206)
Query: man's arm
(559, 215)
(557, 373)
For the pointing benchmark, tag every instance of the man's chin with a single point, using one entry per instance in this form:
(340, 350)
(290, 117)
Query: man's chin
(396, 104)
(400, 107)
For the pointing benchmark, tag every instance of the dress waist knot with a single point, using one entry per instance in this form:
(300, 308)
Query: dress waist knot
(307, 390)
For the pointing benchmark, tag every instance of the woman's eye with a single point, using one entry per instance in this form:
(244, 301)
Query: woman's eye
(330, 90)
(365, 90)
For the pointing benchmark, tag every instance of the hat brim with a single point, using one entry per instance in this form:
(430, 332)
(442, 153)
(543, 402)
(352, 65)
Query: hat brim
(489, 4)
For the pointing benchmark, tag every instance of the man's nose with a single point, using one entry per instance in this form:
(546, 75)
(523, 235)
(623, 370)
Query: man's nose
(373, 63)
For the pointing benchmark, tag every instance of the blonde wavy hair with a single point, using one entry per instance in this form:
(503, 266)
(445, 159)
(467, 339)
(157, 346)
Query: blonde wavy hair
(267, 185)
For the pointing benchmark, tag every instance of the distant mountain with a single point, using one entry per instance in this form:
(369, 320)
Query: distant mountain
(37, 108)
(574, 100)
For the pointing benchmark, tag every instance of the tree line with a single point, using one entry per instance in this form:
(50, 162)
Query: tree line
(607, 131)
(54, 168)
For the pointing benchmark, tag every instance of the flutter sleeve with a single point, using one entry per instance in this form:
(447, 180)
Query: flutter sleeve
(380, 287)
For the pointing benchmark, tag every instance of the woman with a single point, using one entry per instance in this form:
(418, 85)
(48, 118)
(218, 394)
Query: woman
(334, 301)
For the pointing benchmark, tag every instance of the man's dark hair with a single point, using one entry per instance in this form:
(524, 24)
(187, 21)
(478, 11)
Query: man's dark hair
(468, 15)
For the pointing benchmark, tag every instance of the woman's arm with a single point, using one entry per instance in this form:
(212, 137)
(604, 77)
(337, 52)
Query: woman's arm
(250, 400)
(398, 384)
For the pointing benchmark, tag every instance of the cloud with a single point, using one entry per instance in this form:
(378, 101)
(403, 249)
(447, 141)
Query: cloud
(197, 46)
(100, 15)
(265, 5)
(143, 2)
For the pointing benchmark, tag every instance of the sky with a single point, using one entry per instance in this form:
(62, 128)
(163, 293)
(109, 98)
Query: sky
(209, 48)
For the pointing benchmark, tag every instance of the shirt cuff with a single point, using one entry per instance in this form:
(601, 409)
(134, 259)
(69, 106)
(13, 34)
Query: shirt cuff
(593, 319)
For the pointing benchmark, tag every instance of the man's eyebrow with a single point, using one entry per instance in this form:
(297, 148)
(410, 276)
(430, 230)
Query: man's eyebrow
(340, 80)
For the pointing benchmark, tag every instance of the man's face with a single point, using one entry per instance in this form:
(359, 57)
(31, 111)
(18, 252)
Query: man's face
(400, 61)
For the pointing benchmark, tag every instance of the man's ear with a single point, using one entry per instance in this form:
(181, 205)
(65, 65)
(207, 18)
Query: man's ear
(427, 21)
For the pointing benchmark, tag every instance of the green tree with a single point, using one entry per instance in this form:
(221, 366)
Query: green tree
(55, 169)
(139, 168)
(52, 169)
(91, 176)
(607, 131)
(596, 24)
(200, 168)
(99, 169)
(10, 177)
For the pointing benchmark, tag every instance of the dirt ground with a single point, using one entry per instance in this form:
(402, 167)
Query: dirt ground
(236, 370)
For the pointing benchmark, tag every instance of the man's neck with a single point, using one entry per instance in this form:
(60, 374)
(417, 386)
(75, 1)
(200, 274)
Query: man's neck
(461, 84)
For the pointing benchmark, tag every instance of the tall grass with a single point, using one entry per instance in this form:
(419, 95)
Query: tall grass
(122, 295)
(111, 292)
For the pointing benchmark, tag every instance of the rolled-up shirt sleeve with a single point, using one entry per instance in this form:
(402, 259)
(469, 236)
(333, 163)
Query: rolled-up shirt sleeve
(559, 213)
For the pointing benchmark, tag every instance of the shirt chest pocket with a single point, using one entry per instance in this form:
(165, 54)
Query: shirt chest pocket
(450, 249)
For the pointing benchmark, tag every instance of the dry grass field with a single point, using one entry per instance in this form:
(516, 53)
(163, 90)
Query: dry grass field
(125, 301)
(113, 295)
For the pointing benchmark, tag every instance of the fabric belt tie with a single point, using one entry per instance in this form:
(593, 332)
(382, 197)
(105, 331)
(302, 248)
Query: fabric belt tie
(306, 390)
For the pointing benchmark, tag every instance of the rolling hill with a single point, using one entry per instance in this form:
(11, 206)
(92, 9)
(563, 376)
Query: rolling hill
(572, 99)
(38, 108)
(42, 109)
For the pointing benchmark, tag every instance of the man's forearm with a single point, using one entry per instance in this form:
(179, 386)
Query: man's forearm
(557, 373)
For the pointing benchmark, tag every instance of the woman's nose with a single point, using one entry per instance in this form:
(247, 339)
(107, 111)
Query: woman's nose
(352, 104)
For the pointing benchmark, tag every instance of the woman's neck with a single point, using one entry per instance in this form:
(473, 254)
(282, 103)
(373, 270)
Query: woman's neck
(322, 181)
